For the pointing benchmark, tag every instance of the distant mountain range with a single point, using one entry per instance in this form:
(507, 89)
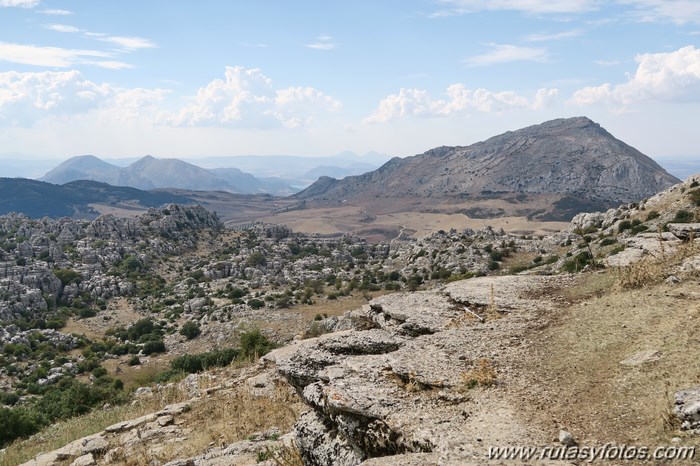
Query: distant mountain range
(276, 175)
(151, 173)
(76, 199)
(575, 158)
(299, 171)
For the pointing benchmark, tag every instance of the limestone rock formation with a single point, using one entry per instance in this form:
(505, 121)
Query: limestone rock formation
(396, 384)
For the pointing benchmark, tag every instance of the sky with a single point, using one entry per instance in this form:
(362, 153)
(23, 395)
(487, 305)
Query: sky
(176, 78)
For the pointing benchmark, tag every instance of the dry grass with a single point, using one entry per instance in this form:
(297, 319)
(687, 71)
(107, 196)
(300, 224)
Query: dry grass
(574, 374)
(286, 456)
(223, 418)
(654, 269)
(482, 374)
(642, 273)
(64, 432)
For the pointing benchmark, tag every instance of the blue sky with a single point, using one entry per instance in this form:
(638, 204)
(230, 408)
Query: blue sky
(186, 79)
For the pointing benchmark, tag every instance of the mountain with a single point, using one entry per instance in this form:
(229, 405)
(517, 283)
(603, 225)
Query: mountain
(249, 184)
(333, 171)
(83, 167)
(151, 173)
(75, 199)
(294, 169)
(575, 158)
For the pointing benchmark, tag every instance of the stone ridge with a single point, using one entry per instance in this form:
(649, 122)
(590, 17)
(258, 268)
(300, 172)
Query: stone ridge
(573, 157)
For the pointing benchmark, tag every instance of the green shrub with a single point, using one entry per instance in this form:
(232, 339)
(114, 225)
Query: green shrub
(190, 330)
(134, 361)
(236, 293)
(517, 269)
(67, 276)
(683, 216)
(255, 303)
(87, 313)
(652, 215)
(19, 422)
(578, 263)
(624, 225)
(638, 229)
(153, 347)
(608, 242)
(191, 363)
(256, 258)
(254, 343)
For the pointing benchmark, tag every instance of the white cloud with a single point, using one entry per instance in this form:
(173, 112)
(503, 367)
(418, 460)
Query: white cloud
(129, 43)
(606, 62)
(56, 12)
(247, 98)
(504, 53)
(659, 76)
(26, 98)
(460, 7)
(296, 106)
(553, 36)
(322, 43)
(62, 28)
(46, 56)
(111, 64)
(126, 43)
(544, 98)
(19, 3)
(676, 11)
(460, 101)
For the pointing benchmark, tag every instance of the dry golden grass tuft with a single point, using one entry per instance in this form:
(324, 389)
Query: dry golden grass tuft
(642, 273)
(223, 418)
(288, 455)
(64, 432)
(482, 374)
(654, 269)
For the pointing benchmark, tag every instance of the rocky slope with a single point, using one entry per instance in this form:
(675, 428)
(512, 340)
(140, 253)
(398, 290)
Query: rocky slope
(572, 157)
(29, 267)
(437, 376)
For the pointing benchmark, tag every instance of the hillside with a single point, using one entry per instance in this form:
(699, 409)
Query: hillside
(151, 173)
(451, 344)
(76, 199)
(575, 158)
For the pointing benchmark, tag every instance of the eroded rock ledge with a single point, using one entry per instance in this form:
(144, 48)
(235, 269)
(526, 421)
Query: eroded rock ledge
(396, 383)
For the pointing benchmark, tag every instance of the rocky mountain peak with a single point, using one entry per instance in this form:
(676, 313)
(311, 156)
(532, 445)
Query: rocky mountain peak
(571, 157)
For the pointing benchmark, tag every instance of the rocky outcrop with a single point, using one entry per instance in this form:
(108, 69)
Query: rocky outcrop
(397, 383)
(687, 408)
(34, 250)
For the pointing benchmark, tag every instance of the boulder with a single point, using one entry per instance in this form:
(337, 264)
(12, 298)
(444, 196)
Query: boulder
(685, 231)
(687, 407)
